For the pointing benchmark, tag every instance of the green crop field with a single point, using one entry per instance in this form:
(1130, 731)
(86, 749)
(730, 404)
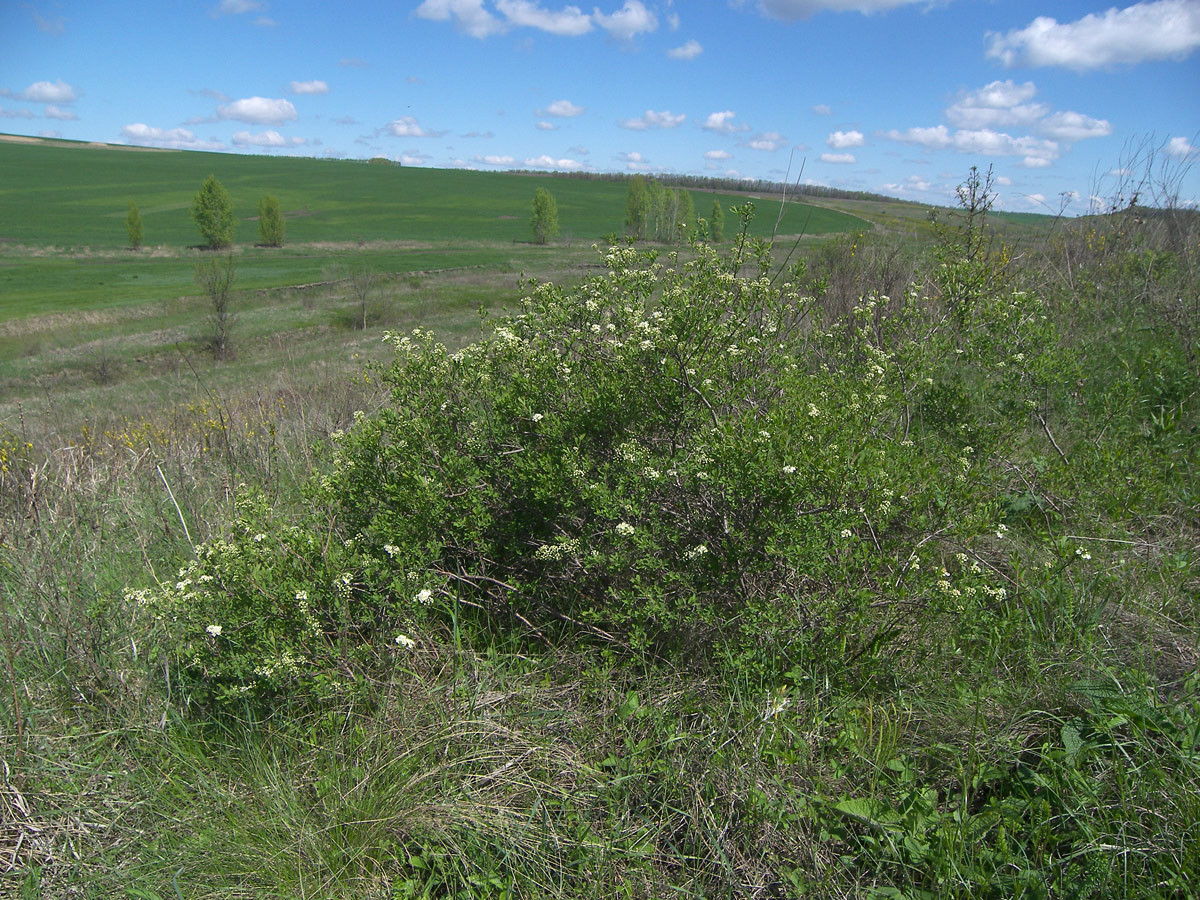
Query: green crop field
(63, 241)
(71, 196)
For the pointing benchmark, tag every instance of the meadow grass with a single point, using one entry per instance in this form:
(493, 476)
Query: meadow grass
(1047, 747)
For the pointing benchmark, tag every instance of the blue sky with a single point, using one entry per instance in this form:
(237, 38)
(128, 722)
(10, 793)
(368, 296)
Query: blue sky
(892, 96)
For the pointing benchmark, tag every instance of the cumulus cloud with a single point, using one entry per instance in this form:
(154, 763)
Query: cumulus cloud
(47, 92)
(635, 162)
(407, 126)
(722, 123)
(267, 139)
(803, 9)
(983, 142)
(65, 115)
(468, 16)
(1180, 146)
(1072, 126)
(769, 142)
(562, 109)
(1153, 30)
(309, 87)
(545, 126)
(651, 119)
(690, 50)
(838, 158)
(718, 154)
(996, 105)
(911, 183)
(549, 162)
(472, 17)
(840, 140)
(171, 139)
(822, 109)
(258, 111)
(15, 113)
(627, 22)
(568, 22)
(495, 160)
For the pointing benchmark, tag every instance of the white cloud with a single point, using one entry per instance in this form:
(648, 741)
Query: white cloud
(1153, 30)
(15, 113)
(569, 22)
(48, 92)
(1035, 162)
(768, 142)
(822, 109)
(310, 87)
(838, 158)
(722, 123)
(258, 111)
(635, 162)
(563, 109)
(65, 115)
(495, 160)
(628, 22)
(406, 126)
(652, 119)
(468, 16)
(546, 126)
(840, 140)
(265, 22)
(413, 159)
(802, 9)
(1004, 181)
(1072, 126)
(718, 154)
(172, 139)
(1180, 146)
(690, 50)
(549, 162)
(982, 141)
(269, 138)
(996, 105)
(911, 183)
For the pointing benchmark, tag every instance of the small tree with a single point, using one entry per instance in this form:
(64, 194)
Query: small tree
(637, 209)
(212, 211)
(133, 224)
(216, 277)
(270, 222)
(716, 224)
(545, 216)
(364, 282)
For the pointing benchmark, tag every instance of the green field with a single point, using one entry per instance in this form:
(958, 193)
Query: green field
(63, 242)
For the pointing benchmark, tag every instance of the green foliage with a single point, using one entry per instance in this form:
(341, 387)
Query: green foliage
(544, 221)
(716, 222)
(270, 222)
(133, 226)
(212, 211)
(216, 278)
(637, 209)
(674, 455)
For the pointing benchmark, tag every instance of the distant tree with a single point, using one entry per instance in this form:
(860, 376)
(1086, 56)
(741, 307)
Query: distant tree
(270, 222)
(212, 211)
(216, 277)
(637, 209)
(364, 282)
(545, 216)
(656, 222)
(133, 224)
(716, 224)
(685, 214)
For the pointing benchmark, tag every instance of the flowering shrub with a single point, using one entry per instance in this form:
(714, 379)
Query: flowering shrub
(675, 455)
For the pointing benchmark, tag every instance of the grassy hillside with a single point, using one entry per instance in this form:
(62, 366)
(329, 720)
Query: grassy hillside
(72, 196)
